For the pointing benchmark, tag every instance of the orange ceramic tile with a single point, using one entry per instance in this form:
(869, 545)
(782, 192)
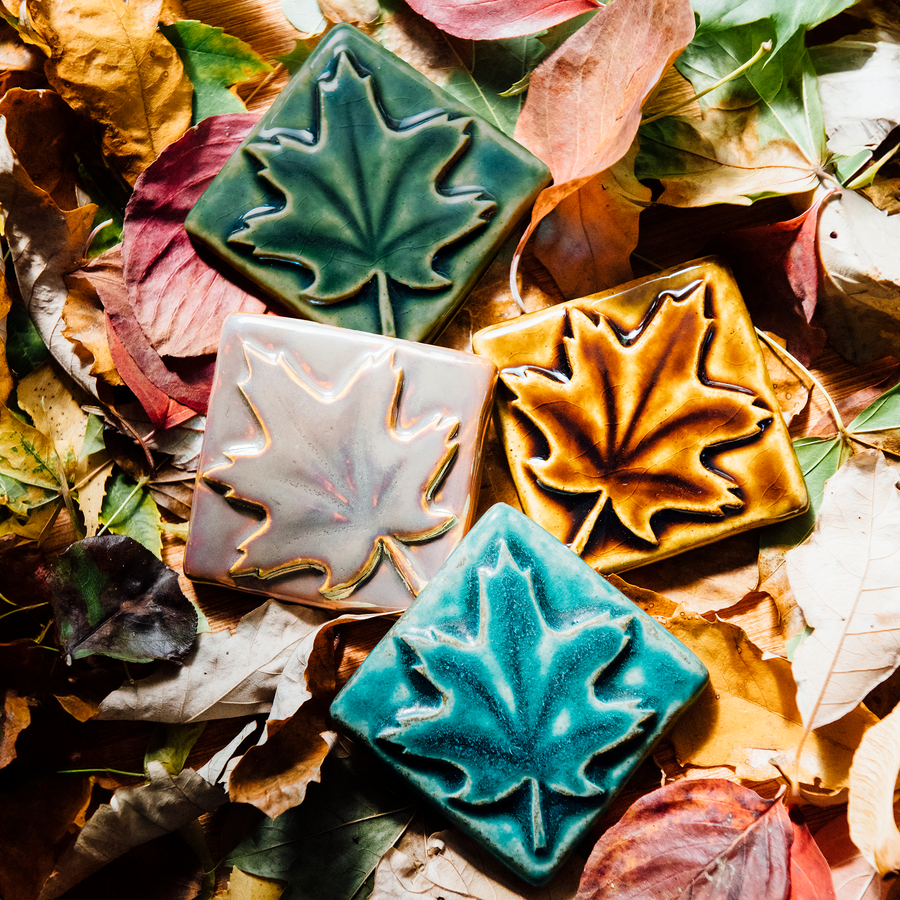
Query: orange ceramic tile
(639, 422)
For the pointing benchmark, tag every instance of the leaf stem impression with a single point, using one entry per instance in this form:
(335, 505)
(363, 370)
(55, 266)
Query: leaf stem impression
(764, 48)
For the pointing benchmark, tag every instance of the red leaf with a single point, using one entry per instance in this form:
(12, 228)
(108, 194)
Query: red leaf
(488, 20)
(178, 299)
(584, 102)
(703, 840)
(777, 270)
(810, 872)
(189, 385)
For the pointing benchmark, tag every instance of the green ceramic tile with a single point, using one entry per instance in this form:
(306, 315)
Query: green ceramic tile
(366, 196)
(519, 692)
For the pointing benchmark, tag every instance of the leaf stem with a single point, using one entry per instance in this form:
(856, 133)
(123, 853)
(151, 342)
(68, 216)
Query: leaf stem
(845, 435)
(384, 307)
(141, 483)
(140, 775)
(764, 48)
(10, 612)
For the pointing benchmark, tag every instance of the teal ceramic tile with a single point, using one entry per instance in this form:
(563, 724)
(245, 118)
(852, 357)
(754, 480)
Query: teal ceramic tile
(367, 197)
(519, 692)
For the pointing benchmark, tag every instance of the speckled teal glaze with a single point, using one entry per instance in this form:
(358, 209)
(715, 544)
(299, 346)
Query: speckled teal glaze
(519, 692)
(367, 197)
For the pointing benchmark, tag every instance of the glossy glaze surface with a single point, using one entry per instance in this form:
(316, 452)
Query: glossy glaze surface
(641, 421)
(367, 197)
(338, 468)
(519, 692)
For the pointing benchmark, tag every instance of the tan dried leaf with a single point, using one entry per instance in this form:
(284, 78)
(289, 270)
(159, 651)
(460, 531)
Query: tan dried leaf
(846, 578)
(748, 714)
(110, 61)
(85, 327)
(873, 779)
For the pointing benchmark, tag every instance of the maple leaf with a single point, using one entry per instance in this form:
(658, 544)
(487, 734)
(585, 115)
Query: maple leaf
(634, 421)
(521, 696)
(391, 215)
(336, 506)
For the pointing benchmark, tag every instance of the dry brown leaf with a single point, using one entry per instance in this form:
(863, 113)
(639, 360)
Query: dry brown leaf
(15, 717)
(45, 243)
(6, 379)
(748, 715)
(846, 579)
(244, 886)
(78, 707)
(109, 61)
(707, 579)
(586, 242)
(792, 383)
(85, 327)
(650, 602)
(719, 159)
(854, 878)
(584, 102)
(873, 779)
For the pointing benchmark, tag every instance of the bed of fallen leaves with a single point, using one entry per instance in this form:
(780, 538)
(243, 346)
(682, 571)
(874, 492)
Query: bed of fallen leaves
(201, 760)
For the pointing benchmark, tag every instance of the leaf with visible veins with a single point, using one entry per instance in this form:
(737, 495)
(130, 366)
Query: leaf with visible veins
(638, 449)
(348, 505)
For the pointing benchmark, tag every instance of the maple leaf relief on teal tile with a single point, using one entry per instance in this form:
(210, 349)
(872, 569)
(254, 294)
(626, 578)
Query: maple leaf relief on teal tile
(519, 692)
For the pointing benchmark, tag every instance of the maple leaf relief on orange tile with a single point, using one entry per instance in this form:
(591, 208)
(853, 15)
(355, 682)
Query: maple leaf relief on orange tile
(631, 419)
(353, 485)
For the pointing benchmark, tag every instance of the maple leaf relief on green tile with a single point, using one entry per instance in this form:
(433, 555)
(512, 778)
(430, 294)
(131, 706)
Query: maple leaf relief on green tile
(517, 706)
(341, 481)
(362, 200)
(633, 419)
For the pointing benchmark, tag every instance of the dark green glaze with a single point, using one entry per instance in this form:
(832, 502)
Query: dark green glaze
(519, 692)
(367, 197)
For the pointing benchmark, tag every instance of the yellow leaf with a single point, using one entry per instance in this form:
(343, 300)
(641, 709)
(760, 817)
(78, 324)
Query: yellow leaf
(90, 497)
(748, 714)
(86, 328)
(870, 812)
(243, 886)
(109, 61)
(54, 411)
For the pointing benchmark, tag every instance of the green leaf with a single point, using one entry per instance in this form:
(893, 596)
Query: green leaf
(294, 60)
(819, 460)
(112, 597)
(213, 61)
(26, 454)
(365, 234)
(25, 349)
(131, 510)
(327, 847)
(171, 743)
(93, 437)
(883, 413)
(786, 18)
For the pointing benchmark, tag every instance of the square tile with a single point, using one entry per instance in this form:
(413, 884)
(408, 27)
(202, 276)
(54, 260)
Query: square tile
(640, 421)
(367, 197)
(338, 468)
(519, 692)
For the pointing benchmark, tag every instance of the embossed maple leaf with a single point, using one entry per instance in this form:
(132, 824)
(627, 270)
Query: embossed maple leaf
(519, 704)
(634, 421)
(339, 481)
(363, 197)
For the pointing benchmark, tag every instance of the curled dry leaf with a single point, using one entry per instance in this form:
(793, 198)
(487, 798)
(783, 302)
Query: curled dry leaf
(870, 811)
(135, 815)
(846, 579)
(713, 839)
(15, 717)
(859, 306)
(249, 667)
(45, 243)
(109, 60)
(488, 20)
(584, 102)
(748, 719)
(178, 299)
